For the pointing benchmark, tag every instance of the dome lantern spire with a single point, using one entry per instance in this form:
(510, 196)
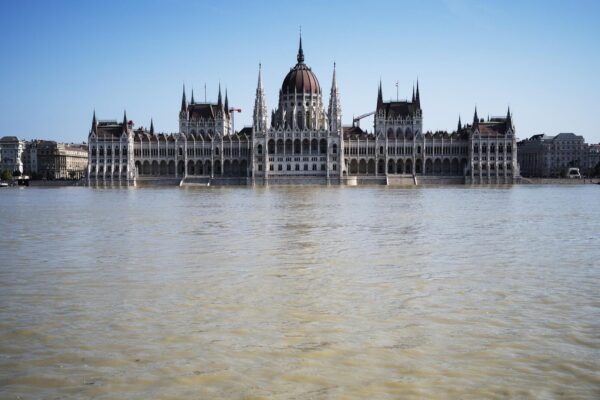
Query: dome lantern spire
(300, 57)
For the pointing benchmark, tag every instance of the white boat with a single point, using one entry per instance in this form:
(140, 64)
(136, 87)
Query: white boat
(3, 184)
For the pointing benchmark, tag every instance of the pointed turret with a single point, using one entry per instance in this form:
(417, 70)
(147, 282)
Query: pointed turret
(413, 95)
(475, 118)
(459, 124)
(335, 109)
(151, 127)
(418, 97)
(125, 121)
(192, 100)
(379, 97)
(509, 119)
(94, 123)
(183, 101)
(226, 103)
(220, 100)
(300, 56)
(260, 119)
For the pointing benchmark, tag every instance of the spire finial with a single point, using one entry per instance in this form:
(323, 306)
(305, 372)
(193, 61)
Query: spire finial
(417, 96)
(300, 57)
(219, 99)
(94, 122)
(259, 85)
(183, 100)
(379, 96)
(151, 126)
(226, 102)
(193, 96)
(334, 83)
(125, 121)
(459, 123)
(475, 118)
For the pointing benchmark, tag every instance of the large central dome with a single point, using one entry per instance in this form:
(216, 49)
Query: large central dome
(301, 79)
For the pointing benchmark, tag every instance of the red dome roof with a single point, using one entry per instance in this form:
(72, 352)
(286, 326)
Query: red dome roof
(302, 80)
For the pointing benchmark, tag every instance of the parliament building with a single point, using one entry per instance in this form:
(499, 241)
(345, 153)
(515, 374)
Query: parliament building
(301, 141)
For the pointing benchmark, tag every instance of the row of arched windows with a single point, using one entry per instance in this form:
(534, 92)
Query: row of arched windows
(484, 148)
(401, 133)
(108, 150)
(305, 146)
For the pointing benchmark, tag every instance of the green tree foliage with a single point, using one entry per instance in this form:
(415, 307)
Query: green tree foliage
(6, 175)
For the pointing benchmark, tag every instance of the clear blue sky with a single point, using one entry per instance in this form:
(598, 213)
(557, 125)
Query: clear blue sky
(63, 59)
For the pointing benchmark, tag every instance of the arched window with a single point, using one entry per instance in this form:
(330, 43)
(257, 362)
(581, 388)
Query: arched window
(94, 151)
(380, 149)
(216, 151)
(323, 146)
(271, 146)
(124, 150)
(334, 148)
(297, 146)
(259, 149)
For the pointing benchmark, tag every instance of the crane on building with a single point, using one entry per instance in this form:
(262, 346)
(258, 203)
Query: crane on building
(356, 120)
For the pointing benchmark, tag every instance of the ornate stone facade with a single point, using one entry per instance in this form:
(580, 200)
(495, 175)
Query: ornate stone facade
(301, 142)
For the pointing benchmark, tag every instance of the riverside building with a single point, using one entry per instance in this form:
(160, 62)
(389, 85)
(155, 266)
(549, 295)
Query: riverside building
(303, 141)
(551, 156)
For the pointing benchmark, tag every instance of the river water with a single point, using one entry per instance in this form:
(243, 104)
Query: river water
(300, 293)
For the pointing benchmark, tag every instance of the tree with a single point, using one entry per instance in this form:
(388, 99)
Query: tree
(6, 175)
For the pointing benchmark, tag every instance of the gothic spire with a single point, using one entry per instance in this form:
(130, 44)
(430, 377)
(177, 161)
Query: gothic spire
(459, 124)
(509, 118)
(260, 119)
(151, 127)
(300, 56)
(219, 100)
(413, 95)
(335, 109)
(418, 97)
(379, 96)
(226, 102)
(94, 122)
(125, 121)
(192, 96)
(183, 101)
(259, 85)
(475, 118)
